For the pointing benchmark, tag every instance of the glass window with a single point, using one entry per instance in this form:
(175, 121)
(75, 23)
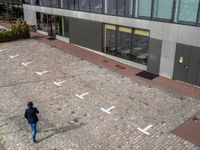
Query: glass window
(110, 7)
(144, 8)
(65, 4)
(110, 39)
(42, 22)
(187, 11)
(163, 9)
(121, 7)
(140, 46)
(62, 26)
(84, 5)
(124, 42)
(96, 6)
(71, 4)
(129, 8)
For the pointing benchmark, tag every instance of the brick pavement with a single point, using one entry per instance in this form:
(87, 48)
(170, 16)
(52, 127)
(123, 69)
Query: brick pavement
(68, 122)
(180, 88)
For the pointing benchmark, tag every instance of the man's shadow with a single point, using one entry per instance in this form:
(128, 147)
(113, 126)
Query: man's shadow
(64, 129)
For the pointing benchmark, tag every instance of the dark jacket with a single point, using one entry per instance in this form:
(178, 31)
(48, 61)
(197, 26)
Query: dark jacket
(31, 115)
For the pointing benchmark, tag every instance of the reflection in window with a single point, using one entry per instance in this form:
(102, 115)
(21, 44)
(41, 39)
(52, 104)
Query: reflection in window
(110, 39)
(96, 6)
(72, 4)
(62, 26)
(56, 24)
(163, 9)
(144, 8)
(110, 7)
(42, 22)
(140, 46)
(129, 8)
(84, 5)
(187, 11)
(124, 42)
(65, 4)
(121, 7)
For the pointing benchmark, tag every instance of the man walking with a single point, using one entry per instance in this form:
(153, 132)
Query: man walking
(31, 116)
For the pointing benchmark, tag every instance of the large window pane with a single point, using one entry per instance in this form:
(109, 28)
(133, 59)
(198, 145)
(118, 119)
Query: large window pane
(121, 7)
(110, 7)
(71, 4)
(163, 9)
(140, 46)
(62, 26)
(65, 4)
(129, 8)
(84, 5)
(96, 6)
(42, 22)
(124, 42)
(110, 39)
(187, 11)
(144, 8)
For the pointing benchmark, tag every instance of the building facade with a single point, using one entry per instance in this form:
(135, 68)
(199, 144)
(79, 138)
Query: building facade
(159, 36)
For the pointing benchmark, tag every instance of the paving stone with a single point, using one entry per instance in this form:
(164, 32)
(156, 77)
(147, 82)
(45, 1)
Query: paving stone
(68, 122)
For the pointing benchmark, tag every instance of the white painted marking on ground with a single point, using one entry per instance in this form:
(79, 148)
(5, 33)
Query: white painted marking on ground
(145, 129)
(108, 110)
(14, 56)
(26, 64)
(59, 83)
(41, 73)
(57, 96)
(1, 50)
(82, 95)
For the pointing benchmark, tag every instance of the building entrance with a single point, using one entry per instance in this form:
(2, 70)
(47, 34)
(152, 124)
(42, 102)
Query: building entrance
(187, 64)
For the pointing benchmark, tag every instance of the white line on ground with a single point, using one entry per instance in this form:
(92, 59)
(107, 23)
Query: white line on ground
(57, 96)
(108, 110)
(41, 73)
(82, 95)
(26, 64)
(59, 83)
(145, 129)
(1, 50)
(14, 56)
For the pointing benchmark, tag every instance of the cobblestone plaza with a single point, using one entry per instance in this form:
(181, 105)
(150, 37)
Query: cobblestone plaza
(82, 105)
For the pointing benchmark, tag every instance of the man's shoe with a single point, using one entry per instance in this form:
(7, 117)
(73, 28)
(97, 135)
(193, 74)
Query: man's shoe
(34, 141)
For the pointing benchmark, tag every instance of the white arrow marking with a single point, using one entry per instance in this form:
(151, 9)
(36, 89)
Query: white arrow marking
(14, 56)
(59, 83)
(26, 64)
(82, 95)
(108, 110)
(145, 129)
(41, 73)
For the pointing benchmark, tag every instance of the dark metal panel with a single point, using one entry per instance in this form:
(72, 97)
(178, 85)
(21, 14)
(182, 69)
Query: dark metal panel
(193, 65)
(198, 75)
(153, 64)
(181, 62)
(86, 33)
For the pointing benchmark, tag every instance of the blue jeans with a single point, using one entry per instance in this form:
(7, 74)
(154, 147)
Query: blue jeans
(34, 130)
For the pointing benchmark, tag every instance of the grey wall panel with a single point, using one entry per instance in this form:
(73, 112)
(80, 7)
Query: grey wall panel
(170, 32)
(29, 15)
(153, 64)
(167, 59)
(189, 35)
(156, 30)
(86, 33)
